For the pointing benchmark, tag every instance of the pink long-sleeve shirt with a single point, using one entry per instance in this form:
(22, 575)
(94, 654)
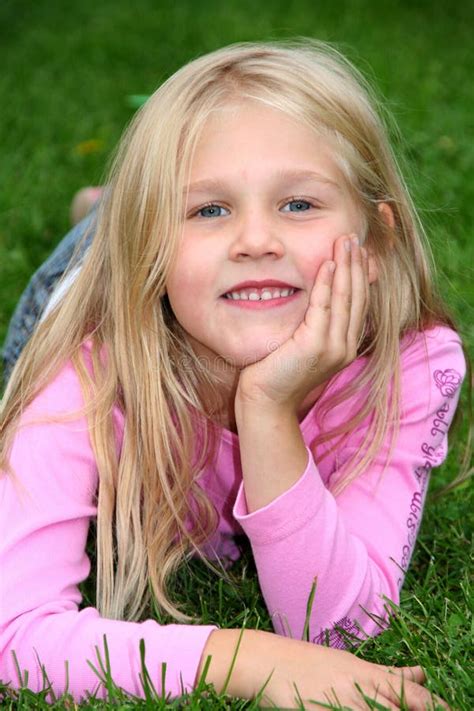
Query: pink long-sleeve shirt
(357, 544)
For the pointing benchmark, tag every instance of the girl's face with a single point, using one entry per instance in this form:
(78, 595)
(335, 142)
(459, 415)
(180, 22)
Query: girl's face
(266, 201)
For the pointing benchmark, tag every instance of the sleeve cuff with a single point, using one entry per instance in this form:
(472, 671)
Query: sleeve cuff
(286, 514)
(194, 636)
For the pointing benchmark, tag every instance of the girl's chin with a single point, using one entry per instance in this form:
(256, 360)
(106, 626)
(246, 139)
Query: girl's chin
(242, 360)
(237, 356)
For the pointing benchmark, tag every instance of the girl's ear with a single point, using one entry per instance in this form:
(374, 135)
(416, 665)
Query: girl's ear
(387, 214)
(373, 271)
(388, 217)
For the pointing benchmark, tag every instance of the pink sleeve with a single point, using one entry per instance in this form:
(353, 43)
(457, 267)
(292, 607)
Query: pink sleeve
(46, 509)
(358, 545)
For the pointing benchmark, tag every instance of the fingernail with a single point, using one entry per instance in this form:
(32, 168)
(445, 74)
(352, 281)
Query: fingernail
(347, 245)
(355, 240)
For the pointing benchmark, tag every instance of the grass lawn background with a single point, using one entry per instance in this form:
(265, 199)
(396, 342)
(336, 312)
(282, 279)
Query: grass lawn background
(68, 68)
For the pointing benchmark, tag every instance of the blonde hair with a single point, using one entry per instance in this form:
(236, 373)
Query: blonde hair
(151, 511)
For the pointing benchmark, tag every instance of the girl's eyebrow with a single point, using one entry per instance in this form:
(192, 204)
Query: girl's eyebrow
(211, 185)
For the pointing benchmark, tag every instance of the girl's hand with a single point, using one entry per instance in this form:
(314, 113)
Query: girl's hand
(291, 667)
(324, 342)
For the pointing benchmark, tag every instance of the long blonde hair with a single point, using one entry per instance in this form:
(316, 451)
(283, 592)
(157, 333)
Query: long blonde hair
(151, 511)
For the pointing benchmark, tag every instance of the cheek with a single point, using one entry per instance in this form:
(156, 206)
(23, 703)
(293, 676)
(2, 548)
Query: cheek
(178, 288)
(319, 243)
(318, 250)
(186, 275)
(189, 286)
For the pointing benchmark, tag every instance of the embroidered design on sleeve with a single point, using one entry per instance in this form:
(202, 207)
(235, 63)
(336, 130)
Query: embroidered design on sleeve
(344, 631)
(433, 453)
(447, 381)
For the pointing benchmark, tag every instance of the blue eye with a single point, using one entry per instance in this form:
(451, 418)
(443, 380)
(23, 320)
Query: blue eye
(300, 206)
(212, 211)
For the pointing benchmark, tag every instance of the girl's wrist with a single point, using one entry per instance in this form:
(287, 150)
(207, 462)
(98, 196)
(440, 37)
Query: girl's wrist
(273, 453)
(246, 407)
(241, 649)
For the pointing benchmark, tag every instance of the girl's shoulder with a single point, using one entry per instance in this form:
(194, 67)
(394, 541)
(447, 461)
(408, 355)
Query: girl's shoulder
(433, 337)
(63, 396)
(432, 365)
(440, 348)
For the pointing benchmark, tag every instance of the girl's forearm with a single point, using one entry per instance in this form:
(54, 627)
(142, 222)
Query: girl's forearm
(272, 451)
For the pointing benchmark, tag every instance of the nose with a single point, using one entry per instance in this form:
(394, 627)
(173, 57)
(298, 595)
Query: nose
(255, 236)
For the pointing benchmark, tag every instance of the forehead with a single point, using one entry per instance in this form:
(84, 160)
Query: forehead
(284, 177)
(257, 140)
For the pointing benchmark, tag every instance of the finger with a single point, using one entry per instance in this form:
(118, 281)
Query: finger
(384, 703)
(359, 299)
(365, 261)
(374, 699)
(318, 313)
(412, 695)
(416, 674)
(341, 299)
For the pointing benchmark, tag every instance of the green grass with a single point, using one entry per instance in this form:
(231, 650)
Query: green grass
(67, 70)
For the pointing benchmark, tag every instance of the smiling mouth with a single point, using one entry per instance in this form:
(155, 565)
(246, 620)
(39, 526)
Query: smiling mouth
(253, 302)
(267, 294)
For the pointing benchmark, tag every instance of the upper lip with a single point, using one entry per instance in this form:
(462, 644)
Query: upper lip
(260, 285)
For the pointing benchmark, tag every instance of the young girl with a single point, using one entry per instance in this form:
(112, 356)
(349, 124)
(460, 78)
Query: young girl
(252, 344)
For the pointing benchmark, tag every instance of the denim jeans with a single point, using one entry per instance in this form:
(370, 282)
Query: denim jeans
(40, 287)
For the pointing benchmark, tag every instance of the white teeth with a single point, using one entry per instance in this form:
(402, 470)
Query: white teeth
(265, 295)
